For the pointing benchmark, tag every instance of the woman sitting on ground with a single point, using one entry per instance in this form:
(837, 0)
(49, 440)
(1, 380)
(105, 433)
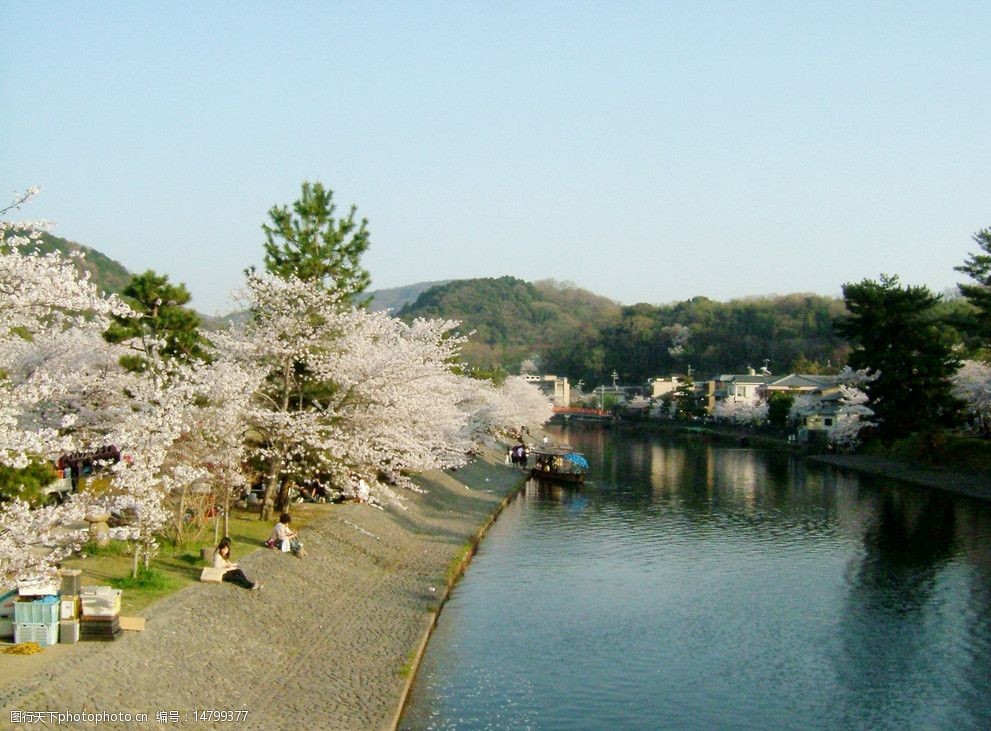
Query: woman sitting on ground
(284, 538)
(222, 560)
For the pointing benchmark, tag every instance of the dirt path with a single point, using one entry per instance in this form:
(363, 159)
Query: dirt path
(322, 646)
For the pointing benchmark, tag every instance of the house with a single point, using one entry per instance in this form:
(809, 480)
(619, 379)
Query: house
(795, 384)
(662, 386)
(818, 415)
(556, 388)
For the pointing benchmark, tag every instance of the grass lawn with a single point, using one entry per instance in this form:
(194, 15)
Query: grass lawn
(176, 566)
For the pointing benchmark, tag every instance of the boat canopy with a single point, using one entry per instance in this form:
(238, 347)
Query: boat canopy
(577, 459)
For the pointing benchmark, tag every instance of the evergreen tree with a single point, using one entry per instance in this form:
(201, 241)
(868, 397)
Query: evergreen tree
(895, 334)
(689, 403)
(163, 326)
(778, 407)
(310, 243)
(978, 268)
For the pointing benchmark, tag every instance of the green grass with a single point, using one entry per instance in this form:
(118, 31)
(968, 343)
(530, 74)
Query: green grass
(175, 566)
(457, 564)
(407, 667)
(152, 580)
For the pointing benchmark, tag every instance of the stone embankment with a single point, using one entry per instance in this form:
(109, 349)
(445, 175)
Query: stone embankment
(972, 484)
(329, 643)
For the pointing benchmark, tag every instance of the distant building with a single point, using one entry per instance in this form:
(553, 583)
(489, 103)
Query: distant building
(662, 386)
(556, 388)
(817, 419)
(796, 384)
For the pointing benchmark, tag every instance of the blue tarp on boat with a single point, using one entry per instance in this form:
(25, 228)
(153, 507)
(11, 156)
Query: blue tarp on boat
(577, 459)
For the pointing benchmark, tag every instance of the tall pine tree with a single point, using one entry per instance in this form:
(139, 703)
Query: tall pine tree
(894, 332)
(309, 242)
(978, 268)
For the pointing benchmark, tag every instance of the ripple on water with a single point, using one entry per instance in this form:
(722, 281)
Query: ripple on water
(725, 597)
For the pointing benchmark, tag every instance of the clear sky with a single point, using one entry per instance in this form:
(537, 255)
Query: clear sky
(646, 151)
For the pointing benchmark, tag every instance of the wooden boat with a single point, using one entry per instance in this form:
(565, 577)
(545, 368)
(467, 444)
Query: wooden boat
(560, 464)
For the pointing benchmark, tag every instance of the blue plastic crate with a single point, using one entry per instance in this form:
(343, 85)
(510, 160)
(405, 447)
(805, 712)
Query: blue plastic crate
(36, 612)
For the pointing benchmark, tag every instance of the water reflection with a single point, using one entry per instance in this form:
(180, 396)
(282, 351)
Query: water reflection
(693, 586)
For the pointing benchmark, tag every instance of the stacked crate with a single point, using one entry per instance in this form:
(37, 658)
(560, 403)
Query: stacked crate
(101, 613)
(36, 612)
(70, 606)
(7, 614)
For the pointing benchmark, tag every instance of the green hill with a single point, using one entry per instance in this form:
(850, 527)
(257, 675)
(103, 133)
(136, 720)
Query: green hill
(106, 273)
(512, 319)
(793, 333)
(398, 297)
(576, 333)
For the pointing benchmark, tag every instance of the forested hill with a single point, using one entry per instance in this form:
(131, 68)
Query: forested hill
(793, 333)
(512, 319)
(398, 297)
(106, 273)
(584, 336)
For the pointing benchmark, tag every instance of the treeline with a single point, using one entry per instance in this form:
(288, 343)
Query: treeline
(512, 320)
(573, 332)
(108, 274)
(792, 333)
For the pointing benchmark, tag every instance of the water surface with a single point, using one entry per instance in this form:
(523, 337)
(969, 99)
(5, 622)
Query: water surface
(690, 586)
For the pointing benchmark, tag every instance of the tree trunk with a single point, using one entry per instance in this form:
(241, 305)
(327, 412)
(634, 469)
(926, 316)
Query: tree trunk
(134, 562)
(269, 497)
(227, 514)
(276, 468)
(282, 502)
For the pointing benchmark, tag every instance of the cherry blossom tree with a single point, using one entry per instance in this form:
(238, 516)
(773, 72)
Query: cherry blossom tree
(741, 412)
(503, 410)
(290, 321)
(972, 385)
(46, 312)
(852, 413)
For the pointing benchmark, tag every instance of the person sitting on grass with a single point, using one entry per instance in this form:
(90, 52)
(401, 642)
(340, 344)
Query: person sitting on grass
(284, 538)
(222, 560)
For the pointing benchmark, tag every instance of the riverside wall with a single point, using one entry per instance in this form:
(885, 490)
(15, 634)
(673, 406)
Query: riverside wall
(331, 642)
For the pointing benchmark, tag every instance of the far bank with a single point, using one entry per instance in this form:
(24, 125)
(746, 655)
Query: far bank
(974, 483)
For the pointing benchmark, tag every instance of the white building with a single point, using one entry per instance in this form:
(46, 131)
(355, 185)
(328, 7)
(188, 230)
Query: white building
(556, 387)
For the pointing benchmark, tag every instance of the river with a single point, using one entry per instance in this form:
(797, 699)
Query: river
(694, 586)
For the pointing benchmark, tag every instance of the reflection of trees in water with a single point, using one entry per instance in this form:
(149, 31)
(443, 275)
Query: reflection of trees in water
(974, 537)
(890, 621)
(911, 637)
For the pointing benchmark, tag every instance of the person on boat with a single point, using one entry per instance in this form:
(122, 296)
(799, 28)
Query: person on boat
(232, 573)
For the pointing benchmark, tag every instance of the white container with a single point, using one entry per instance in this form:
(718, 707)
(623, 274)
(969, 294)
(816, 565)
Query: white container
(68, 631)
(105, 602)
(37, 586)
(45, 635)
(69, 607)
(71, 581)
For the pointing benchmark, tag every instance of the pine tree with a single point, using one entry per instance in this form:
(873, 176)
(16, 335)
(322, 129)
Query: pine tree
(895, 334)
(163, 326)
(978, 268)
(311, 244)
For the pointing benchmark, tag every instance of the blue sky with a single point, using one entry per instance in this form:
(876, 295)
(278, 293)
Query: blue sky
(649, 152)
